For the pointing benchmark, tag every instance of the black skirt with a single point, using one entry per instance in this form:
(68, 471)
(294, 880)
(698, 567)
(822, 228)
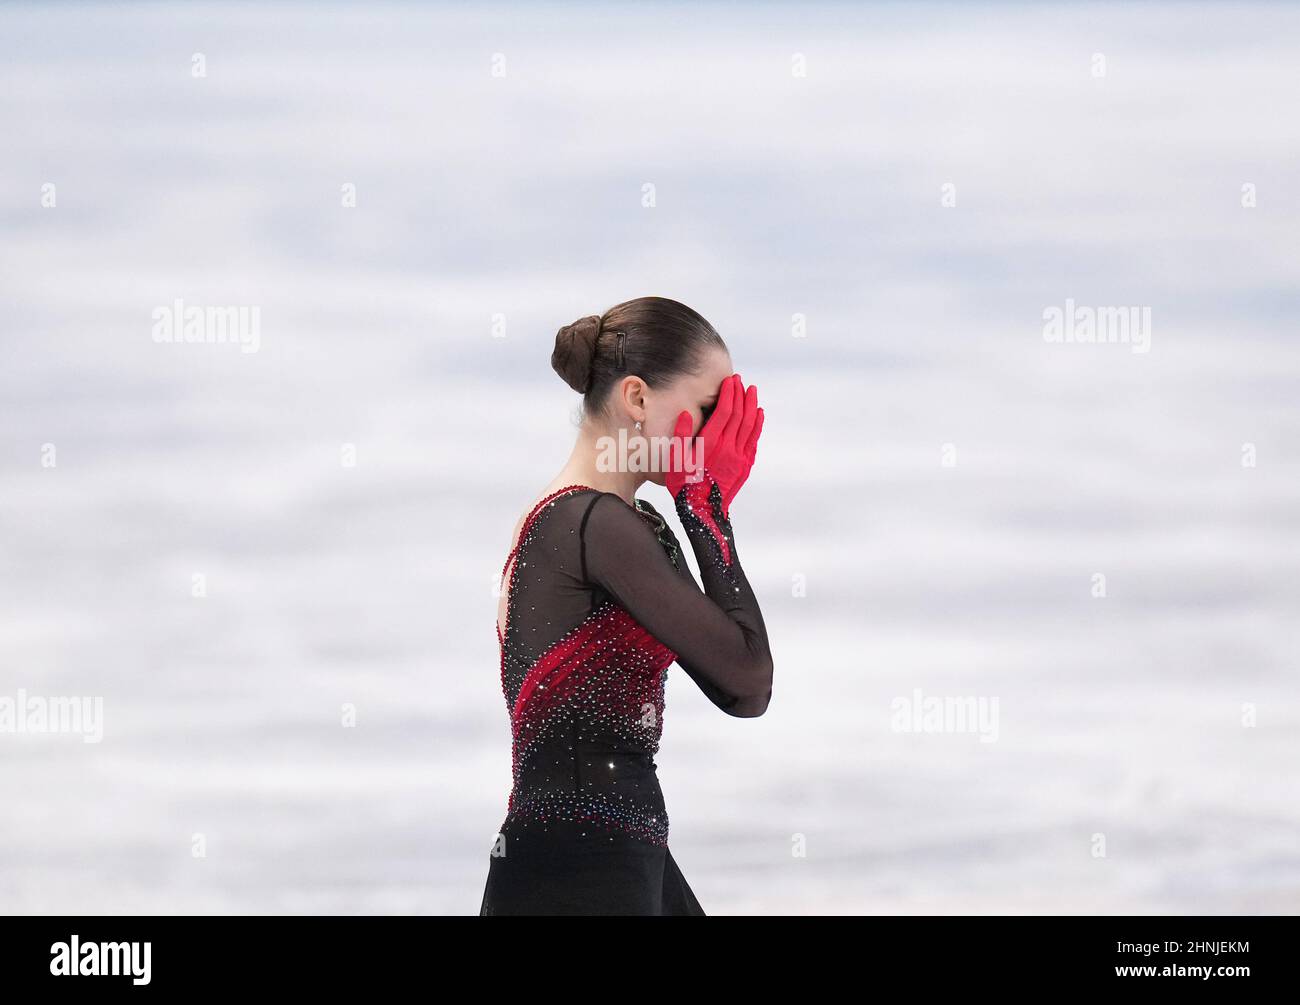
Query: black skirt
(571, 869)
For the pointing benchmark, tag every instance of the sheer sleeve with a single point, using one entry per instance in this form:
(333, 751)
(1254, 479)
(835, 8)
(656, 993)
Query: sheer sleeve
(718, 634)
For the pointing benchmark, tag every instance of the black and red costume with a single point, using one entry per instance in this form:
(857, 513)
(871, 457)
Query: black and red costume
(600, 603)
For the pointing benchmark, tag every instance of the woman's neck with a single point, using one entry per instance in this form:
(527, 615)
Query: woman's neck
(582, 468)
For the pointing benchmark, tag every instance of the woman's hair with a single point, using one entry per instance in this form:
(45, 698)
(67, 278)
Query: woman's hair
(652, 337)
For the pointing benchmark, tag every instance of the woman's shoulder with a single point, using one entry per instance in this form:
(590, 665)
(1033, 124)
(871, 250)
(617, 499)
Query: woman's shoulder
(563, 505)
(611, 527)
(585, 507)
(610, 511)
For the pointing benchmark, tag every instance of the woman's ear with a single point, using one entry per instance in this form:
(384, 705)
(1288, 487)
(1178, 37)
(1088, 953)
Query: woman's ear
(632, 396)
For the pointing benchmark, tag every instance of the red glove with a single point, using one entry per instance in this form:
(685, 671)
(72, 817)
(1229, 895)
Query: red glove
(724, 450)
(747, 421)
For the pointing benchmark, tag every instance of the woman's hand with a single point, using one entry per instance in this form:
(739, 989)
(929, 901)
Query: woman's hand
(745, 409)
(726, 446)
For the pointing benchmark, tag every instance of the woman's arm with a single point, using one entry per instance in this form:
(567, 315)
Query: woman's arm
(739, 707)
(718, 635)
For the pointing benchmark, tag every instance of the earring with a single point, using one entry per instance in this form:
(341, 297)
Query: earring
(638, 425)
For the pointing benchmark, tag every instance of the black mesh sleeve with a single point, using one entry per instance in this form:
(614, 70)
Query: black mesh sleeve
(718, 635)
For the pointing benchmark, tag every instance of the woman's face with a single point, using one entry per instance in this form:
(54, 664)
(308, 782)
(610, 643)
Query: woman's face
(696, 393)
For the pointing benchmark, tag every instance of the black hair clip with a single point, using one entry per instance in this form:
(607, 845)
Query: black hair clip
(618, 358)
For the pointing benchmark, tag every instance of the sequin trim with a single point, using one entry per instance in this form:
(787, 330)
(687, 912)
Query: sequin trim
(663, 532)
(699, 505)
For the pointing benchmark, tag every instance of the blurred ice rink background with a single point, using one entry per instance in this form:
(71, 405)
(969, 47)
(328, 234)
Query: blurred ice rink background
(775, 195)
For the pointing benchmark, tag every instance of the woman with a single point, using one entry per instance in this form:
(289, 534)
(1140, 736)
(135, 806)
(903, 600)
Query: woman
(597, 601)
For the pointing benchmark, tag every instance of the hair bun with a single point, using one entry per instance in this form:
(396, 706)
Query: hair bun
(575, 348)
